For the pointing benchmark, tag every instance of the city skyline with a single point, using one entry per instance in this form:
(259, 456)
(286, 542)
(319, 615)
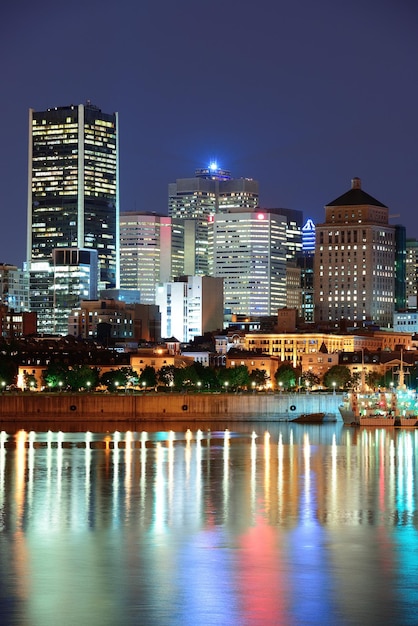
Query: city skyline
(300, 97)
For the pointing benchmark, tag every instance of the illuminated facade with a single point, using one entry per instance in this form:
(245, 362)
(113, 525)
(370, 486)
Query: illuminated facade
(151, 252)
(75, 278)
(211, 191)
(354, 264)
(248, 250)
(190, 307)
(411, 273)
(14, 288)
(73, 199)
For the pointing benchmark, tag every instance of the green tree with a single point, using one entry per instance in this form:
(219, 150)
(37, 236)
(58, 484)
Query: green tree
(309, 379)
(112, 380)
(8, 370)
(338, 374)
(55, 374)
(82, 377)
(148, 377)
(287, 375)
(259, 378)
(166, 375)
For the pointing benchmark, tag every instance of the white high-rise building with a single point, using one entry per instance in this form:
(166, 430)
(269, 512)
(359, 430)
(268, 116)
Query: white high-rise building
(190, 307)
(211, 191)
(248, 251)
(151, 249)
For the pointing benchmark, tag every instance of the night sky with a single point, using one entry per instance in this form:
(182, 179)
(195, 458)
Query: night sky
(301, 95)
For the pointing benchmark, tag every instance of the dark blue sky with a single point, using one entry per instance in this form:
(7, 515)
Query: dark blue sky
(300, 95)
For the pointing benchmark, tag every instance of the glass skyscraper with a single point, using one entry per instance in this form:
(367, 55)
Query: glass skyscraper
(73, 198)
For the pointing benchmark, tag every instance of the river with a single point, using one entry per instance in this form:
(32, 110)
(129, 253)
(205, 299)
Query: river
(251, 524)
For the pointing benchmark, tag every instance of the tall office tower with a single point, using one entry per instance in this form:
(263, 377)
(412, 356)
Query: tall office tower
(190, 307)
(211, 191)
(14, 288)
(248, 250)
(152, 251)
(411, 265)
(73, 198)
(354, 266)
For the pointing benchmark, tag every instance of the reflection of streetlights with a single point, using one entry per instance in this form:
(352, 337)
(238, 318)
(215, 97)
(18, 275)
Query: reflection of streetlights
(333, 384)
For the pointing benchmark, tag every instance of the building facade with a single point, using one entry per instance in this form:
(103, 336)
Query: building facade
(211, 191)
(247, 249)
(14, 288)
(354, 266)
(190, 307)
(73, 195)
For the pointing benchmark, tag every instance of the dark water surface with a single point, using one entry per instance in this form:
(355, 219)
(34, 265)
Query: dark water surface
(262, 524)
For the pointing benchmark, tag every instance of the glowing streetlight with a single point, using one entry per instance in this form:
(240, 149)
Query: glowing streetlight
(281, 386)
(199, 384)
(253, 385)
(333, 385)
(88, 385)
(226, 383)
(116, 385)
(144, 384)
(3, 385)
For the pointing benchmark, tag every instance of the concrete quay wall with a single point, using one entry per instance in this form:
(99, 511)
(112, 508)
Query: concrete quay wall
(146, 406)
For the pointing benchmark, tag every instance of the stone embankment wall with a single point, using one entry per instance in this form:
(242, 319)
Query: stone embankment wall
(145, 406)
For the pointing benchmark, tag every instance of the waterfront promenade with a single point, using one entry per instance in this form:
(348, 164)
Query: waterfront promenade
(145, 406)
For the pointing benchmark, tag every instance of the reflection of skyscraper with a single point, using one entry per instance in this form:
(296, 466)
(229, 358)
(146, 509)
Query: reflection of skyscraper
(73, 197)
(211, 191)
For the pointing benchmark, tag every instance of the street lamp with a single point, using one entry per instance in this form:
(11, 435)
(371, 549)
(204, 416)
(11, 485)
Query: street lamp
(144, 384)
(281, 386)
(60, 385)
(226, 383)
(333, 384)
(88, 385)
(253, 385)
(116, 385)
(307, 386)
(199, 384)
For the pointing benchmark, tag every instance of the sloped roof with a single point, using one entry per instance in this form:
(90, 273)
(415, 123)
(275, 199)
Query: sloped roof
(356, 197)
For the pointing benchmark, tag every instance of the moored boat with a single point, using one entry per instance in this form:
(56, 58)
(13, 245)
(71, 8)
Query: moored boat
(310, 418)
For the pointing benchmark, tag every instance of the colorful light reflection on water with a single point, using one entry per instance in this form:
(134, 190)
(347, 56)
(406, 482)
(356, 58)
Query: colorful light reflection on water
(260, 524)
